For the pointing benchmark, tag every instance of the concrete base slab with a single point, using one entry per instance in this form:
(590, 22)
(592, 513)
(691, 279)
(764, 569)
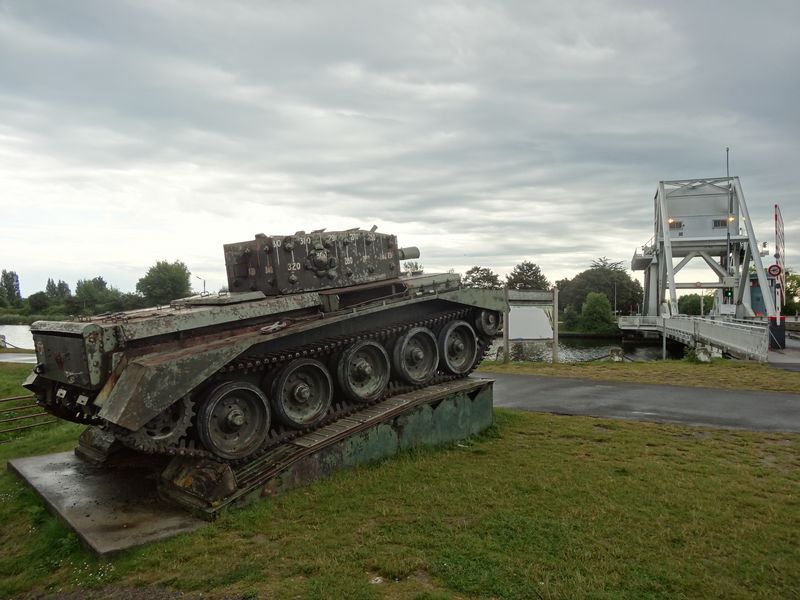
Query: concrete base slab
(110, 508)
(788, 358)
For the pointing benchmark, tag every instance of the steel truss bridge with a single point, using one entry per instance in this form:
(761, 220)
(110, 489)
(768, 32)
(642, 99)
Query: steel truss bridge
(706, 220)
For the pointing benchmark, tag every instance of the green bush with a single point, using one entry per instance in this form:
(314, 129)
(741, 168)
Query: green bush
(596, 315)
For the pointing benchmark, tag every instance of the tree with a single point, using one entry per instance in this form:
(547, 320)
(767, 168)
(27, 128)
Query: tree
(527, 276)
(51, 289)
(689, 304)
(791, 305)
(3, 298)
(164, 282)
(596, 316)
(9, 281)
(38, 301)
(481, 277)
(604, 276)
(412, 266)
(571, 318)
(93, 294)
(62, 290)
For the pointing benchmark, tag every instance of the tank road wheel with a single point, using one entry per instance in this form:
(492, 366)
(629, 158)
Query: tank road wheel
(363, 371)
(233, 419)
(487, 322)
(415, 356)
(458, 347)
(302, 393)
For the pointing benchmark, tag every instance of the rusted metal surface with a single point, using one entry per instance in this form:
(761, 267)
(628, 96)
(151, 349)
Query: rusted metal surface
(21, 427)
(20, 418)
(13, 398)
(312, 261)
(128, 371)
(20, 412)
(18, 408)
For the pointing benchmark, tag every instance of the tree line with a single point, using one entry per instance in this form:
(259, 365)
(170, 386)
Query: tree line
(163, 282)
(586, 302)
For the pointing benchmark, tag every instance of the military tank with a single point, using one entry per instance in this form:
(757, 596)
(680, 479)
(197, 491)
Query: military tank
(315, 326)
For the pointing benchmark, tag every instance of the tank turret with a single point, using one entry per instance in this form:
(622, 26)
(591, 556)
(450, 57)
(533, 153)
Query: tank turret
(313, 261)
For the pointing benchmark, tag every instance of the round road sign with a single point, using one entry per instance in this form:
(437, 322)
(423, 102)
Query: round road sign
(774, 270)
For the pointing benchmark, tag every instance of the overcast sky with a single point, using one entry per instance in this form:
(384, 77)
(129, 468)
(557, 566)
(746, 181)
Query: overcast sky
(483, 132)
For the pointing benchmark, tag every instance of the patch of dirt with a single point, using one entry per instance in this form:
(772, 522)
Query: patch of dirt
(769, 461)
(421, 576)
(777, 442)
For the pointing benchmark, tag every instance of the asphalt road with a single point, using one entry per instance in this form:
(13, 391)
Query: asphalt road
(759, 411)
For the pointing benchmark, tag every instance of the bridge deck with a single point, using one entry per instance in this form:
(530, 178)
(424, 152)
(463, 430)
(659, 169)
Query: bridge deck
(742, 340)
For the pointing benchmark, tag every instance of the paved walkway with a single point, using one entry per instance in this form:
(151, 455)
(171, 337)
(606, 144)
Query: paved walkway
(760, 411)
(13, 357)
(788, 358)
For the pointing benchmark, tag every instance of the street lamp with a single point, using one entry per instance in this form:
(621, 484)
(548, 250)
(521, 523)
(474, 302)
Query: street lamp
(615, 298)
(204, 284)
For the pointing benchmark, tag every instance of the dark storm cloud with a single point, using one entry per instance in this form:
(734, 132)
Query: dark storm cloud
(484, 132)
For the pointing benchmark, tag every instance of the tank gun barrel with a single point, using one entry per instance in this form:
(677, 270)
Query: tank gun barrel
(408, 253)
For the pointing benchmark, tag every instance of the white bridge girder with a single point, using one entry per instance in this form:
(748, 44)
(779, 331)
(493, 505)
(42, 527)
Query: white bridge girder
(705, 219)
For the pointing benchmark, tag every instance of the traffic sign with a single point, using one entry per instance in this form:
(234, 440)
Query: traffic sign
(774, 270)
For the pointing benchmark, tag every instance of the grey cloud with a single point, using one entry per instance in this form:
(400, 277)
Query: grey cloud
(520, 129)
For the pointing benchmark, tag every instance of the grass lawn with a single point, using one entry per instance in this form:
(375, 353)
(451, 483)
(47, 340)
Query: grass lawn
(541, 506)
(719, 373)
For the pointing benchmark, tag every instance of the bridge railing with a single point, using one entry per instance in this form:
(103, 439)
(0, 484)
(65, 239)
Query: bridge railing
(738, 338)
(741, 339)
(640, 322)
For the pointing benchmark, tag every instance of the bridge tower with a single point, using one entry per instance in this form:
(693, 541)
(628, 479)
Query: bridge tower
(707, 220)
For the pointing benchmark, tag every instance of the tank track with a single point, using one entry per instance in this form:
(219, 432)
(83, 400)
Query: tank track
(322, 351)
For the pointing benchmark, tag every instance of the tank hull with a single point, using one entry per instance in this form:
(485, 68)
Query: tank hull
(150, 377)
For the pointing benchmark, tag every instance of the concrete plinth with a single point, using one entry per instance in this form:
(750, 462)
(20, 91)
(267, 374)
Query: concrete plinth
(427, 417)
(110, 508)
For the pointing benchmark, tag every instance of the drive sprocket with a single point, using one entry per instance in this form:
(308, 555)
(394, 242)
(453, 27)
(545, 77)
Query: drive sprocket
(164, 430)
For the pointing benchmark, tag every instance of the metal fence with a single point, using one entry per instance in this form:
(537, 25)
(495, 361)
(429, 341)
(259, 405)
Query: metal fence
(20, 413)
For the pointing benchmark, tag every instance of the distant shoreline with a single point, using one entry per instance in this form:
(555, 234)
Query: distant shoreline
(30, 319)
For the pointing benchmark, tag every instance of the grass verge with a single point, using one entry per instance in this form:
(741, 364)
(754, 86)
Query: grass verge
(719, 373)
(541, 506)
(11, 376)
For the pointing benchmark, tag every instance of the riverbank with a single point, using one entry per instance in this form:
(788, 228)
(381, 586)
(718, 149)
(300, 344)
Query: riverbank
(18, 319)
(17, 351)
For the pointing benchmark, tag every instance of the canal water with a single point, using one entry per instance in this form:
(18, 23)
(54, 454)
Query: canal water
(18, 336)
